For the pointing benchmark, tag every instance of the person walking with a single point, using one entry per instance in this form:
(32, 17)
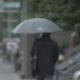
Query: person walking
(16, 61)
(34, 55)
(47, 56)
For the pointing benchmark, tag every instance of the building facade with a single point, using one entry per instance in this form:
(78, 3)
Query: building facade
(9, 15)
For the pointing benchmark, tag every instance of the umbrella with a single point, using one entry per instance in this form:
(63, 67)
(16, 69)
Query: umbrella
(36, 25)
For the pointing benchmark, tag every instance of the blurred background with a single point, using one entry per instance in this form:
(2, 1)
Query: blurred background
(65, 13)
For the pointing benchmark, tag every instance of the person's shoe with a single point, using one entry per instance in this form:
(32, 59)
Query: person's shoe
(22, 76)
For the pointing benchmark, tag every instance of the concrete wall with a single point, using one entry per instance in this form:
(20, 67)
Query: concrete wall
(26, 45)
(61, 37)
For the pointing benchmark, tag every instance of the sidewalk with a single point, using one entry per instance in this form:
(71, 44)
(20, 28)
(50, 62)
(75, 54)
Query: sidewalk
(6, 72)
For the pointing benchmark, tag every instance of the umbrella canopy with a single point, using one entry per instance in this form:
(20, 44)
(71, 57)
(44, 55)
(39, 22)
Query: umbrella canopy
(36, 25)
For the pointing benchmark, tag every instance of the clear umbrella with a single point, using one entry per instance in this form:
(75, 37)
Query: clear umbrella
(36, 25)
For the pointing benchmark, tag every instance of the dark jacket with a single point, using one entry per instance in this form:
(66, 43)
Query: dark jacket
(34, 61)
(33, 50)
(47, 56)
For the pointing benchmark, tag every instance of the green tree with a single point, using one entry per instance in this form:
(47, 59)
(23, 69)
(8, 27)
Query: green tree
(64, 12)
(1, 29)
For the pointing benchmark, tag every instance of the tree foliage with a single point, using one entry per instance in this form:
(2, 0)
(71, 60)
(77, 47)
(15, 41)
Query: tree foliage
(66, 13)
(1, 30)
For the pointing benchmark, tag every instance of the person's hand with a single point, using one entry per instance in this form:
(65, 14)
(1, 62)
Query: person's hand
(61, 58)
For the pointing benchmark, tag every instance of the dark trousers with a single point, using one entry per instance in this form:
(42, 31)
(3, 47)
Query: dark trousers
(41, 77)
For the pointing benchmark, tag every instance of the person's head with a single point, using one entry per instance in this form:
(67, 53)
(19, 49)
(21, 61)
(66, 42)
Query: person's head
(77, 28)
(46, 35)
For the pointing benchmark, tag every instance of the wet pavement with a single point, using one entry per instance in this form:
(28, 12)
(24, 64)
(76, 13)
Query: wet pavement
(6, 71)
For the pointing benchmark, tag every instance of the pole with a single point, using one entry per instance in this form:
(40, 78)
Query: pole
(26, 41)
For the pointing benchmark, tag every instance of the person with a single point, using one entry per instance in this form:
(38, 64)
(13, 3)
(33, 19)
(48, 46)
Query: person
(75, 37)
(33, 54)
(47, 56)
(16, 62)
